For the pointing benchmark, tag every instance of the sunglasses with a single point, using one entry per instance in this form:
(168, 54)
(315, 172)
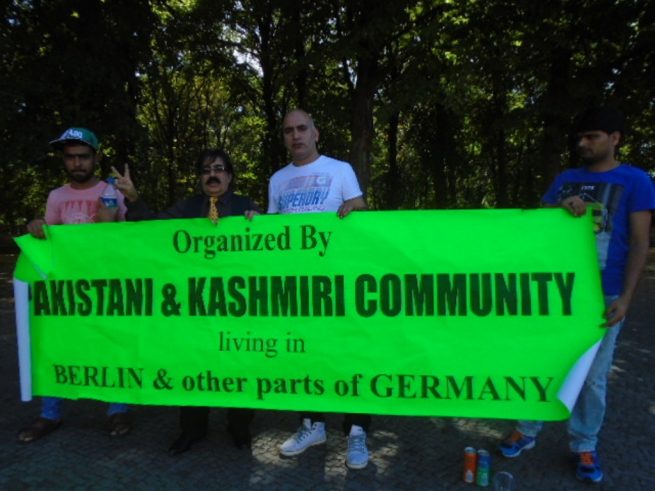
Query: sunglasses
(214, 168)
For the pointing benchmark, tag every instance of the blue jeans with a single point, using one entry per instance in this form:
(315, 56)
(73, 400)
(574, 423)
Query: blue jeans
(51, 408)
(589, 410)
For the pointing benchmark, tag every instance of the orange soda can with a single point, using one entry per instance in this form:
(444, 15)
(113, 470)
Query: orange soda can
(470, 461)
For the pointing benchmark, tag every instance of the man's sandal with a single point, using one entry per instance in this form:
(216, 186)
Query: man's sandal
(40, 428)
(119, 424)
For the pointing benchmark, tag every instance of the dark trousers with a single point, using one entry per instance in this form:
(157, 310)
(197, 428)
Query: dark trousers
(349, 419)
(195, 420)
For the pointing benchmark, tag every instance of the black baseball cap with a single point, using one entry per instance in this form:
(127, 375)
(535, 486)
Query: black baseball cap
(607, 119)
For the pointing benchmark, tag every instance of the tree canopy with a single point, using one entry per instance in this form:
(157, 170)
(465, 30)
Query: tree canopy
(437, 104)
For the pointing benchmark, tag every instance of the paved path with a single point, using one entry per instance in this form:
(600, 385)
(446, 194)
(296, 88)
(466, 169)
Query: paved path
(407, 453)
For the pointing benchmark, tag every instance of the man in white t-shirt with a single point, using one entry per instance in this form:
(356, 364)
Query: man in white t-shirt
(78, 201)
(311, 182)
(314, 183)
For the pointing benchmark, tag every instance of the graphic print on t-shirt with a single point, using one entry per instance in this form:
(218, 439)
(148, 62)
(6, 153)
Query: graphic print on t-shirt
(603, 198)
(305, 193)
(77, 211)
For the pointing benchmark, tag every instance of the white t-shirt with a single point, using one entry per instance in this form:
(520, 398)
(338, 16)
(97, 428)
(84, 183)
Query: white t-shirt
(320, 186)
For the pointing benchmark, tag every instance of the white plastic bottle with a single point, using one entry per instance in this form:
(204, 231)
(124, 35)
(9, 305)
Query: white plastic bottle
(109, 196)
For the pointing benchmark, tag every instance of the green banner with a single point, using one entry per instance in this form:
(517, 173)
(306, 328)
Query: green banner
(492, 313)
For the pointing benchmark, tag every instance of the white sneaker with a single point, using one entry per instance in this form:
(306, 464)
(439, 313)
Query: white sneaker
(357, 456)
(307, 435)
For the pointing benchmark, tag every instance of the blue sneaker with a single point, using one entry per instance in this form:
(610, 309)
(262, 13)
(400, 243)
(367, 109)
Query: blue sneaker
(357, 456)
(588, 467)
(516, 443)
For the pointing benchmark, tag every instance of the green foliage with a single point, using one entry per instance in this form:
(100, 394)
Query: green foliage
(436, 103)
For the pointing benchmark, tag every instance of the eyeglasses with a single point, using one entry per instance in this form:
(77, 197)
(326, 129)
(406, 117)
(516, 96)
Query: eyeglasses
(214, 168)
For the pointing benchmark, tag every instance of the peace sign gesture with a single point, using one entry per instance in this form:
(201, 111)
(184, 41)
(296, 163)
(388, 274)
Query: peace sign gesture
(125, 184)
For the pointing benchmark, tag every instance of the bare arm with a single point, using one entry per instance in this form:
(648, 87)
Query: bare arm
(639, 242)
(351, 205)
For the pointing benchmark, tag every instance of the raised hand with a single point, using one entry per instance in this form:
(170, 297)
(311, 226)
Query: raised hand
(124, 183)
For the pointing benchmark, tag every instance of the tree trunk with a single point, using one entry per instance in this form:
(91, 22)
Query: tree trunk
(555, 117)
(393, 182)
(362, 119)
(497, 137)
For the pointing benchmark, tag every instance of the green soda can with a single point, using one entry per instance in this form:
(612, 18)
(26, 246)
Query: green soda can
(484, 469)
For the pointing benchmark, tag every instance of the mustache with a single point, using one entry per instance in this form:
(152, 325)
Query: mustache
(213, 180)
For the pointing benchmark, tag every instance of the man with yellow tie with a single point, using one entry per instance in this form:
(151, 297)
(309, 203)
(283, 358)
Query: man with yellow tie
(216, 179)
(217, 200)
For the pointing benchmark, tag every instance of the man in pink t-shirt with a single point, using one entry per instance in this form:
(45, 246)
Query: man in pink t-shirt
(78, 201)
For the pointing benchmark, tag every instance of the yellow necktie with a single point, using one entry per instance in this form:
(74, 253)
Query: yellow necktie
(213, 209)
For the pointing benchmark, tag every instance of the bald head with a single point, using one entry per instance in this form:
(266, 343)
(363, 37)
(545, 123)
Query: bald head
(300, 137)
(300, 113)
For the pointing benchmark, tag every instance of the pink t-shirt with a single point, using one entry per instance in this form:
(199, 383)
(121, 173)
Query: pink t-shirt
(67, 205)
